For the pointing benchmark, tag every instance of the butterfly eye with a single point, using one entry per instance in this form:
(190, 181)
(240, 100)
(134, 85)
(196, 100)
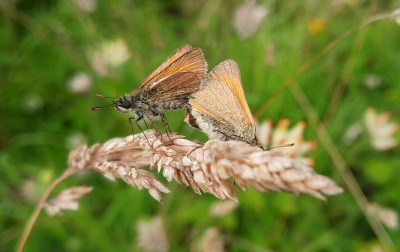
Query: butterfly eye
(125, 104)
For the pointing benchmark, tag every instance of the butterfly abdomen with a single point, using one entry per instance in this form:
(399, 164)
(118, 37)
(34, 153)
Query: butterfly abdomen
(175, 104)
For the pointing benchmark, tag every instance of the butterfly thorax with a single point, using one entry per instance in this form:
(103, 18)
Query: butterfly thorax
(139, 106)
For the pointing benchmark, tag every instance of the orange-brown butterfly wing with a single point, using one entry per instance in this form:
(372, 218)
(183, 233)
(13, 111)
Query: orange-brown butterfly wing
(185, 59)
(217, 101)
(228, 72)
(222, 100)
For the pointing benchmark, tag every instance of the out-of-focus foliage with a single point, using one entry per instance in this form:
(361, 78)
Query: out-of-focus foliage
(55, 55)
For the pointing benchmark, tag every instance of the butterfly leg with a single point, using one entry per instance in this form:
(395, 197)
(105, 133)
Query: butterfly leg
(165, 123)
(136, 120)
(166, 126)
(153, 124)
(145, 123)
(130, 123)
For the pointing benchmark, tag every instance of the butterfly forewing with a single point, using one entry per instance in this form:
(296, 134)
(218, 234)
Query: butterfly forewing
(174, 56)
(179, 84)
(184, 59)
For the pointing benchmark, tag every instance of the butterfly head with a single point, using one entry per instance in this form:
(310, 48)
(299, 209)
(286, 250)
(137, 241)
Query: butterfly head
(123, 104)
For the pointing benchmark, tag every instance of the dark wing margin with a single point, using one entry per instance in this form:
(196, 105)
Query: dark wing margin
(173, 87)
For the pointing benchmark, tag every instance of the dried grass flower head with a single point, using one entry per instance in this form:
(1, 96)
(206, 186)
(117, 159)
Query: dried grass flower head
(67, 200)
(119, 158)
(216, 168)
(271, 137)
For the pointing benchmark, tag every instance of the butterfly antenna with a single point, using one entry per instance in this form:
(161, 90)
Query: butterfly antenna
(103, 96)
(105, 106)
(280, 146)
(195, 148)
(101, 107)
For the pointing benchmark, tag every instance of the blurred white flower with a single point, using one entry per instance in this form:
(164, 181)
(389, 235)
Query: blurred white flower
(67, 200)
(111, 54)
(248, 18)
(372, 81)
(151, 235)
(80, 83)
(396, 12)
(352, 133)
(85, 5)
(211, 241)
(222, 208)
(388, 216)
(271, 137)
(75, 139)
(381, 131)
(32, 103)
(32, 188)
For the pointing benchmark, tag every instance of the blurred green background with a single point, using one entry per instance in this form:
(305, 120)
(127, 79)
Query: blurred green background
(56, 55)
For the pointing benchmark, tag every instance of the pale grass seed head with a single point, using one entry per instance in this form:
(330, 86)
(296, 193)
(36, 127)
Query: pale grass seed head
(210, 168)
(66, 200)
(119, 158)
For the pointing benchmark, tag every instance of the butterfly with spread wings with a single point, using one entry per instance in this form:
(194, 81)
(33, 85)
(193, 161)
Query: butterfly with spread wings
(220, 109)
(169, 87)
